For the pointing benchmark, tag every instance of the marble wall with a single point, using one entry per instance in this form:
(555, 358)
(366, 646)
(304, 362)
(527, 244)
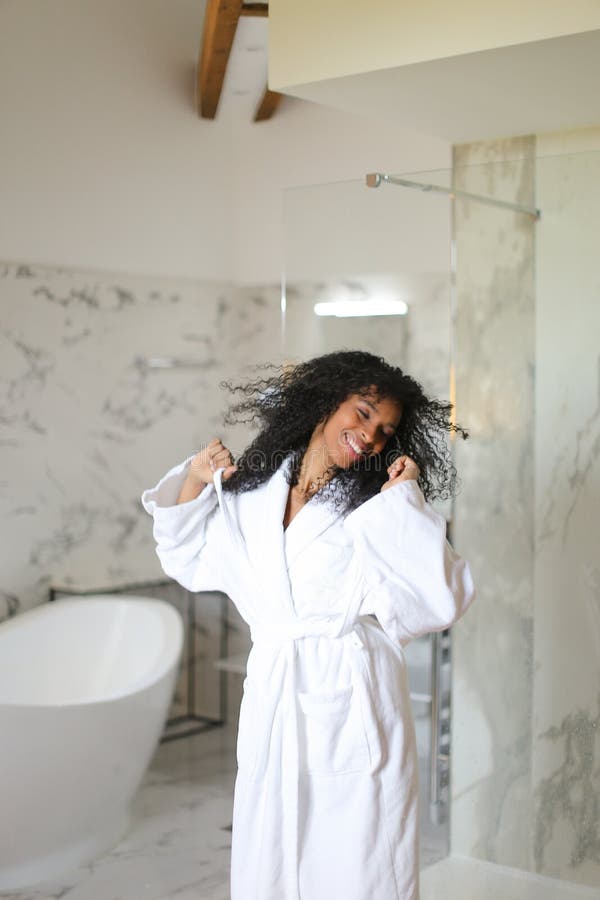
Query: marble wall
(86, 425)
(526, 753)
(418, 342)
(494, 357)
(566, 652)
(493, 645)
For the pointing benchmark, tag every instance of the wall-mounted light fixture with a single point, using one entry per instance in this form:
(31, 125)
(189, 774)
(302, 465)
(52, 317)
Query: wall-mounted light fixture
(372, 307)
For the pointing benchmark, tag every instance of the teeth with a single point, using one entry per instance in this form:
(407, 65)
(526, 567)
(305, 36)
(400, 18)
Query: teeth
(354, 446)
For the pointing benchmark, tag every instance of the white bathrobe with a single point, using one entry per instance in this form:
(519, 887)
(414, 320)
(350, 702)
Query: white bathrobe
(326, 796)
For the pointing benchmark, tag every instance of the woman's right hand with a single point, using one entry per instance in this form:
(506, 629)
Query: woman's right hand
(212, 457)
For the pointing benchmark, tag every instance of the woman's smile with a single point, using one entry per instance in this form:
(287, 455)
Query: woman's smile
(360, 427)
(356, 447)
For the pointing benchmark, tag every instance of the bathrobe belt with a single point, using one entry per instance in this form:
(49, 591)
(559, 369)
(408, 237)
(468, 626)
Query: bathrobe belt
(286, 636)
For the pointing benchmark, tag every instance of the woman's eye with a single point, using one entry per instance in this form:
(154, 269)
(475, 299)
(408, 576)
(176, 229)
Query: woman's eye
(364, 414)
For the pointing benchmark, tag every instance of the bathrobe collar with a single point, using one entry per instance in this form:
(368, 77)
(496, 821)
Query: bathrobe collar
(267, 549)
(311, 521)
(277, 548)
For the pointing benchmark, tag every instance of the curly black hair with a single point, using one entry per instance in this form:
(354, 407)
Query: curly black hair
(289, 404)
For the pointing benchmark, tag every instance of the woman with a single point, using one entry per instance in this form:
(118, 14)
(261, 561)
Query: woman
(321, 523)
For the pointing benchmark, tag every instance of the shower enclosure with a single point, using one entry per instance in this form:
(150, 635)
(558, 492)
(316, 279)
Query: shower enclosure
(468, 279)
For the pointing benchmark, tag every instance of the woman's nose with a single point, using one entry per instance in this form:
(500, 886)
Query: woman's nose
(367, 435)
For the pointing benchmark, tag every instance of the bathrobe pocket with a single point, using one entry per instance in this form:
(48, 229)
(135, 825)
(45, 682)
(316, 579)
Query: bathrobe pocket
(331, 732)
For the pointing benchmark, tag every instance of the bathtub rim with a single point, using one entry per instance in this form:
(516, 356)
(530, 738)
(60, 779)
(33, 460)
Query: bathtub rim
(175, 645)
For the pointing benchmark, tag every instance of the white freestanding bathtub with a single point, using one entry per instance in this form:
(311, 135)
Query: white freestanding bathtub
(85, 689)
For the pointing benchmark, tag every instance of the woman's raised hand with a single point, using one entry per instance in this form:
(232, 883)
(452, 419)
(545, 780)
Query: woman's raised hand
(212, 457)
(402, 469)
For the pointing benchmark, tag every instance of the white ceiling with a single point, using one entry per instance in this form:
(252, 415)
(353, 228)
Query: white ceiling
(528, 88)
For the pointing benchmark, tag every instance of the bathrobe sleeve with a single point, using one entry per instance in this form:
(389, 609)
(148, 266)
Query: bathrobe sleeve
(415, 582)
(189, 536)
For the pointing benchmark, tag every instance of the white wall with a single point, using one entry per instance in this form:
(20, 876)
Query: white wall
(105, 164)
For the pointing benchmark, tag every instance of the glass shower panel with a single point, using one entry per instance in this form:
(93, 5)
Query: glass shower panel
(464, 269)
(354, 249)
(346, 243)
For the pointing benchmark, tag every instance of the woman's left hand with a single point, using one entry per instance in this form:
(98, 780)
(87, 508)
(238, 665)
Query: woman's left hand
(402, 469)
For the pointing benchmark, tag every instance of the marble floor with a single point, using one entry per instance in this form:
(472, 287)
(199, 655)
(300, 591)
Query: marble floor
(459, 878)
(179, 844)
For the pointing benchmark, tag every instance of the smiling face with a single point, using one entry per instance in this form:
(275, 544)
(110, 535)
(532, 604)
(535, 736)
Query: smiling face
(361, 426)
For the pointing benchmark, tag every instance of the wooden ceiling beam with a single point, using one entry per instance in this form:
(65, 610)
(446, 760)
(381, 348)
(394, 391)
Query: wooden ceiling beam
(268, 105)
(220, 23)
(255, 9)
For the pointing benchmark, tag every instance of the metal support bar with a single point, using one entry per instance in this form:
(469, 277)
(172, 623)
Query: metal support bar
(434, 771)
(374, 179)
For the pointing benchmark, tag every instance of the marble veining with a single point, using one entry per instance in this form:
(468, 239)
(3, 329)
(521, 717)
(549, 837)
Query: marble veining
(85, 425)
(569, 794)
(493, 647)
(526, 756)
(566, 674)
(572, 470)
